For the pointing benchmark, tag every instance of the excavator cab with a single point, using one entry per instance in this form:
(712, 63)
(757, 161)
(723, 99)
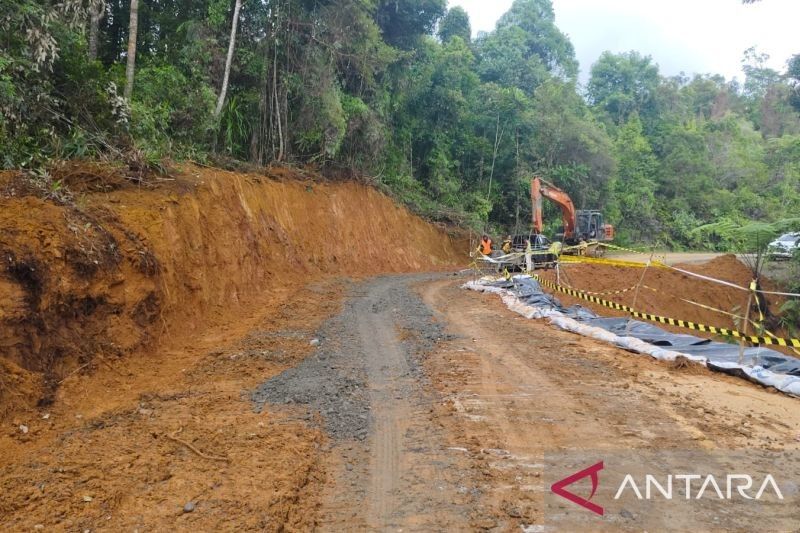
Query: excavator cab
(591, 226)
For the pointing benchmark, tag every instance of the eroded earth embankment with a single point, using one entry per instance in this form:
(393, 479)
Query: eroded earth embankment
(116, 267)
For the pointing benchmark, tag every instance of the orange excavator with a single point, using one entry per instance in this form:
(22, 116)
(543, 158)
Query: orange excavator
(580, 226)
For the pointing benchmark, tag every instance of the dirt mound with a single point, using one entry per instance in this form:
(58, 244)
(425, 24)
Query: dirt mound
(668, 292)
(725, 267)
(121, 267)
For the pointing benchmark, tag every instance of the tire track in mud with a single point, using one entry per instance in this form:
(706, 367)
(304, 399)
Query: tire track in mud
(390, 466)
(535, 401)
(388, 375)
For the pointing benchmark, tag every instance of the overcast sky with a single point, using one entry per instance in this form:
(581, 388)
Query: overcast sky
(705, 36)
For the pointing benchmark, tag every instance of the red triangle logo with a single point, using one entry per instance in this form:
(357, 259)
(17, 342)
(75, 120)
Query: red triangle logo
(558, 488)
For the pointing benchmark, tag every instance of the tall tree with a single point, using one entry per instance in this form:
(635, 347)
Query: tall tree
(758, 76)
(231, 45)
(527, 48)
(403, 22)
(623, 84)
(793, 74)
(569, 144)
(455, 24)
(634, 187)
(542, 37)
(133, 29)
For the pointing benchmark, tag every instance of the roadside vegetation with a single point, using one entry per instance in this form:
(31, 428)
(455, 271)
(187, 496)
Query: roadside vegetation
(401, 92)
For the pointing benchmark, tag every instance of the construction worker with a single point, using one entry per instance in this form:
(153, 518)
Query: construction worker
(485, 246)
(507, 245)
(554, 252)
(528, 255)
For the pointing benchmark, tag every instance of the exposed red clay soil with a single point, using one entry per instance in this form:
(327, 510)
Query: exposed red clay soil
(668, 292)
(128, 446)
(135, 318)
(123, 267)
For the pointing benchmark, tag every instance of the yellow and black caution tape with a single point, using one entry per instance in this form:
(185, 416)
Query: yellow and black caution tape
(709, 308)
(582, 246)
(611, 262)
(702, 306)
(631, 250)
(753, 339)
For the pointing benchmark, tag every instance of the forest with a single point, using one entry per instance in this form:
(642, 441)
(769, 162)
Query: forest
(399, 93)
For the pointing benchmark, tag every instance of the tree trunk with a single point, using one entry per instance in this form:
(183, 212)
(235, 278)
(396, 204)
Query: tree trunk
(231, 45)
(498, 136)
(132, 31)
(96, 14)
(94, 29)
(277, 103)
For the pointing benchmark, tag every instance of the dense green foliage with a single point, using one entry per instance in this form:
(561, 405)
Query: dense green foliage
(399, 90)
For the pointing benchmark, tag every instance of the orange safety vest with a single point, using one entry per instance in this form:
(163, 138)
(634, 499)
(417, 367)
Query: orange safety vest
(486, 247)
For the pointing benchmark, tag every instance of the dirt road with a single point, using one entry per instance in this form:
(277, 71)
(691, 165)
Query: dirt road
(523, 395)
(170, 441)
(466, 432)
(396, 403)
(391, 466)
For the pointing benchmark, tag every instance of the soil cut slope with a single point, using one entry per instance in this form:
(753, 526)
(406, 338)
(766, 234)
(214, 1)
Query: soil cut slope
(118, 267)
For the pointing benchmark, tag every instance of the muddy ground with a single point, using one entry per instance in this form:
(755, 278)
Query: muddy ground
(137, 444)
(394, 403)
(522, 394)
(368, 383)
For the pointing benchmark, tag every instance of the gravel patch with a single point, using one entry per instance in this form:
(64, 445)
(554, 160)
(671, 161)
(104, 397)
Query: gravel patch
(333, 381)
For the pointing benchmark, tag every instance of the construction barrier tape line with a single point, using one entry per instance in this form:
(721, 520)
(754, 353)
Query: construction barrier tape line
(622, 248)
(728, 283)
(753, 339)
(510, 257)
(601, 244)
(574, 259)
(612, 262)
(660, 264)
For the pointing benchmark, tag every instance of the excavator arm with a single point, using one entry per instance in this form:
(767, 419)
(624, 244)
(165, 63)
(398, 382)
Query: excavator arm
(541, 188)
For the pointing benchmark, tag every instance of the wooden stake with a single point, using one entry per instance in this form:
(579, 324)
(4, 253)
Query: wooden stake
(744, 328)
(636, 294)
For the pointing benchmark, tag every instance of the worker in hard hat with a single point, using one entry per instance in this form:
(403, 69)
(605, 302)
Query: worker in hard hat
(507, 245)
(485, 247)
